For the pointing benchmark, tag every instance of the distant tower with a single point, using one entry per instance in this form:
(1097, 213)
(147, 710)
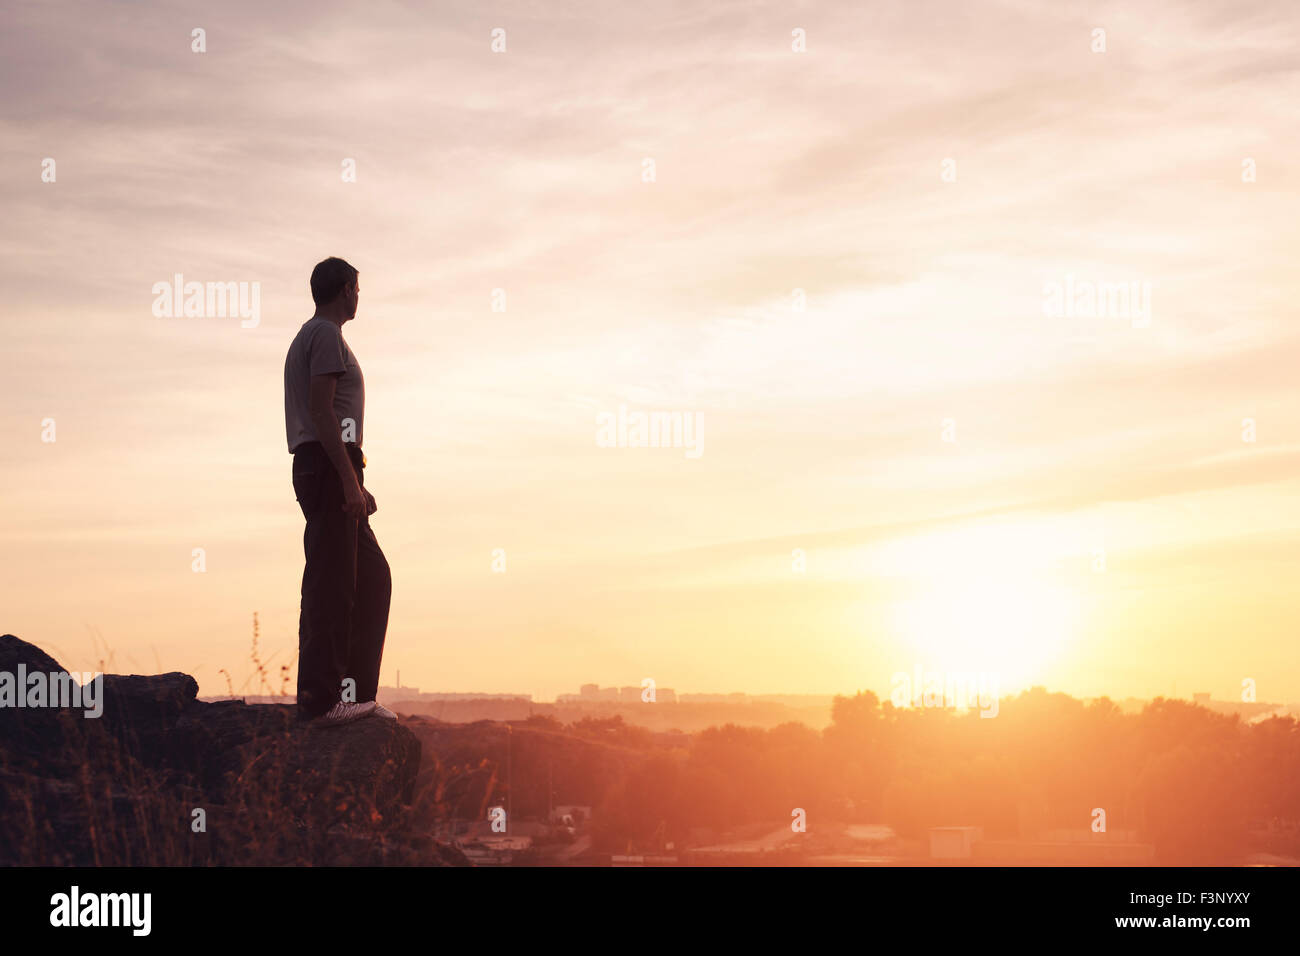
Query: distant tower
(399, 679)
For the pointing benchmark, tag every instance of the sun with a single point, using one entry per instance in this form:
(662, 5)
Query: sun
(1013, 626)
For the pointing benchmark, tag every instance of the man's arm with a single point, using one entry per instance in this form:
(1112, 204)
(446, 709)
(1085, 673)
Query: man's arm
(331, 438)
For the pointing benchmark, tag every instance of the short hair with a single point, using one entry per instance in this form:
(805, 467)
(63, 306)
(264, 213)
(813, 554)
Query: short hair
(329, 278)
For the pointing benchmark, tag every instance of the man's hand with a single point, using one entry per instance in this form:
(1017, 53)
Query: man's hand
(371, 507)
(354, 500)
(355, 504)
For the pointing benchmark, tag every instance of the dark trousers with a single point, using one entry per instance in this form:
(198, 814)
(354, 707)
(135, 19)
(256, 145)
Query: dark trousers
(346, 587)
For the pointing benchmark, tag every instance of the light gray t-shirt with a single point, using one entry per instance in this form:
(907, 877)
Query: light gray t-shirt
(319, 349)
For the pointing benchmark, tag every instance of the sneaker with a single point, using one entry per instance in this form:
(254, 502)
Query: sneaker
(382, 711)
(342, 713)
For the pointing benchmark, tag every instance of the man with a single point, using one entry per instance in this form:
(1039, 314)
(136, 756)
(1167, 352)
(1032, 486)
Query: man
(346, 585)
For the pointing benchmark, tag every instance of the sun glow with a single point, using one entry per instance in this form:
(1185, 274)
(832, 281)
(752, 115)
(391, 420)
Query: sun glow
(1012, 628)
(985, 600)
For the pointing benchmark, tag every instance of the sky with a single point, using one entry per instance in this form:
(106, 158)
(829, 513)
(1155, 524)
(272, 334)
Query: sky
(834, 237)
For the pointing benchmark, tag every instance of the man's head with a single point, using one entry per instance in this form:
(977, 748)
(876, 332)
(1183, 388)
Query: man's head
(335, 288)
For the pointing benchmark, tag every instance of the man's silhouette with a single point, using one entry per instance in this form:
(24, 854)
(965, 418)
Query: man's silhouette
(346, 585)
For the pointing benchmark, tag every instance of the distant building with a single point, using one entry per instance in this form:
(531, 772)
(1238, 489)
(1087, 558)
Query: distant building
(592, 694)
(954, 843)
(399, 693)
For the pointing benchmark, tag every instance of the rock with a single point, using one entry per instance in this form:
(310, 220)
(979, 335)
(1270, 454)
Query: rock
(142, 713)
(124, 788)
(238, 749)
(31, 735)
(15, 651)
(159, 699)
